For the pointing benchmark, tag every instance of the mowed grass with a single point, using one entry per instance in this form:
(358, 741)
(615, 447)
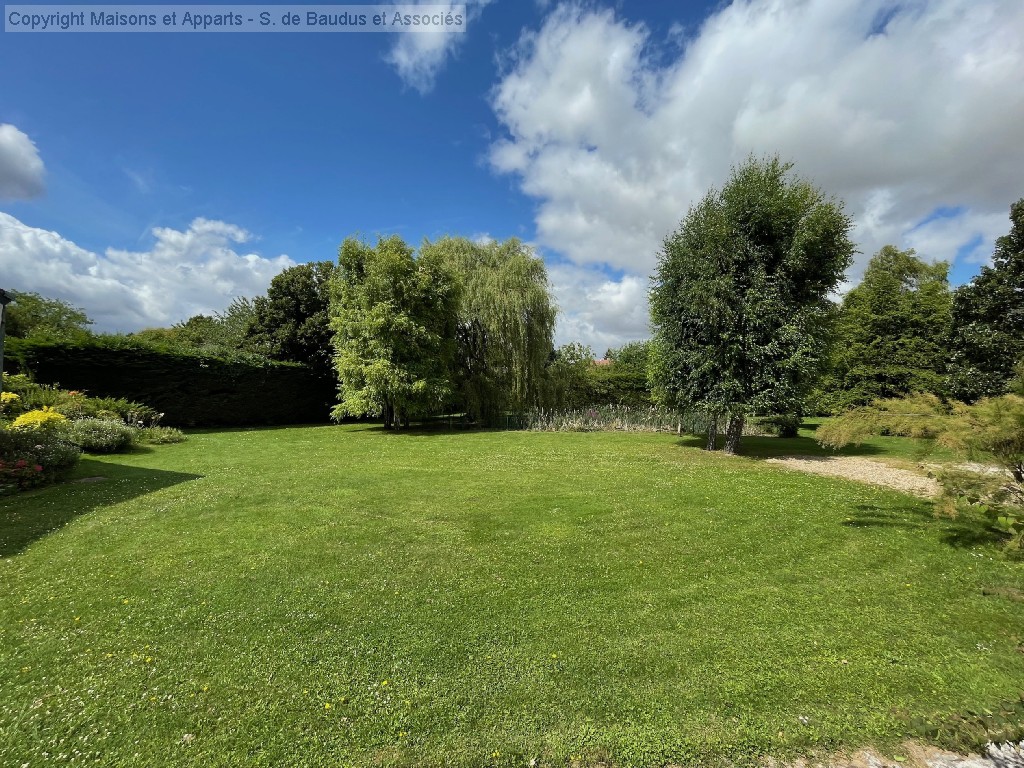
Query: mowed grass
(343, 596)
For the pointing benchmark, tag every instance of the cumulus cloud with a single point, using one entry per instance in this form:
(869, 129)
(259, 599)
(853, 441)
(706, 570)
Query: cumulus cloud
(418, 55)
(899, 109)
(21, 169)
(597, 310)
(184, 273)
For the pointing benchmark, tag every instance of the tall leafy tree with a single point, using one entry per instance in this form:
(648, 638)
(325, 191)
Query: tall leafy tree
(890, 332)
(393, 318)
(33, 315)
(506, 320)
(740, 295)
(292, 322)
(987, 324)
(221, 332)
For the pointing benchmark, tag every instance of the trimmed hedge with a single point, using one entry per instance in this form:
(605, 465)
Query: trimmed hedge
(190, 389)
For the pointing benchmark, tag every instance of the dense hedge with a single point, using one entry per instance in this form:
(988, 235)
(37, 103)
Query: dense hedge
(190, 389)
(611, 387)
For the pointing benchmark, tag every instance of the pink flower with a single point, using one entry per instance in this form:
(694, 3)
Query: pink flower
(38, 468)
(20, 463)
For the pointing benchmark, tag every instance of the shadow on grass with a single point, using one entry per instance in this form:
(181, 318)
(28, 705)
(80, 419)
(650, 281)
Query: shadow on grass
(27, 517)
(964, 531)
(770, 447)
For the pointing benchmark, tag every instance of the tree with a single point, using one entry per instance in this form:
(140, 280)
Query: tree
(227, 331)
(38, 316)
(569, 376)
(987, 325)
(506, 320)
(889, 335)
(393, 318)
(292, 322)
(632, 357)
(739, 299)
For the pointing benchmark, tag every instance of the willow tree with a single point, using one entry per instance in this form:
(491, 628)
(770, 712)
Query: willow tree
(393, 318)
(740, 297)
(506, 321)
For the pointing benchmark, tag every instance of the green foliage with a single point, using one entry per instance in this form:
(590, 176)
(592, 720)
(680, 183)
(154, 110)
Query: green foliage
(614, 418)
(292, 322)
(40, 420)
(634, 357)
(30, 458)
(222, 334)
(739, 303)
(159, 435)
(987, 329)
(918, 416)
(34, 316)
(506, 318)
(569, 377)
(77, 405)
(186, 388)
(781, 425)
(993, 427)
(394, 319)
(101, 435)
(613, 385)
(11, 405)
(889, 334)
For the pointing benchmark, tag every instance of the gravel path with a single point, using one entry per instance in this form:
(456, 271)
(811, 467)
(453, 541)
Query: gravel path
(863, 470)
(918, 756)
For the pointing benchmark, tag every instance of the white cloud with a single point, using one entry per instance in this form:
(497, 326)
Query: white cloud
(616, 138)
(596, 310)
(185, 272)
(21, 168)
(419, 54)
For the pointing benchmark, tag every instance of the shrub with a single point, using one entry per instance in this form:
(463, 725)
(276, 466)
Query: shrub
(30, 458)
(10, 404)
(783, 425)
(78, 406)
(159, 435)
(101, 435)
(40, 420)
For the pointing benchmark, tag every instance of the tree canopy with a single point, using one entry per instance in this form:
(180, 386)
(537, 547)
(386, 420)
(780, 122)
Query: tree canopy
(986, 335)
(739, 300)
(506, 319)
(393, 318)
(32, 315)
(292, 322)
(889, 338)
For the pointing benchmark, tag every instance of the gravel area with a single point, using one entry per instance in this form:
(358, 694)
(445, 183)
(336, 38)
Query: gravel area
(862, 470)
(918, 756)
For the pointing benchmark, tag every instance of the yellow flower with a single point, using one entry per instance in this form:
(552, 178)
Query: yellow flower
(327, 705)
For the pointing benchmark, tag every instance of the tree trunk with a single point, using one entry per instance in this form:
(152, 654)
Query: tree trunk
(388, 416)
(712, 443)
(733, 433)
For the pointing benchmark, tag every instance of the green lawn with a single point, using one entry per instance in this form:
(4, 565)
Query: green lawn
(343, 596)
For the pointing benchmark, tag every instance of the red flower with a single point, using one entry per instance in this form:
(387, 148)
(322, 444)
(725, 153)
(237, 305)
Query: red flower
(39, 468)
(21, 463)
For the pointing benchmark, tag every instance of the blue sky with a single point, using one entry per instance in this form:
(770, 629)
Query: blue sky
(585, 130)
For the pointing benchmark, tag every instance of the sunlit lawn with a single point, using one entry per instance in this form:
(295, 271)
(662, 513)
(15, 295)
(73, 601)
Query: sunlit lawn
(343, 596)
